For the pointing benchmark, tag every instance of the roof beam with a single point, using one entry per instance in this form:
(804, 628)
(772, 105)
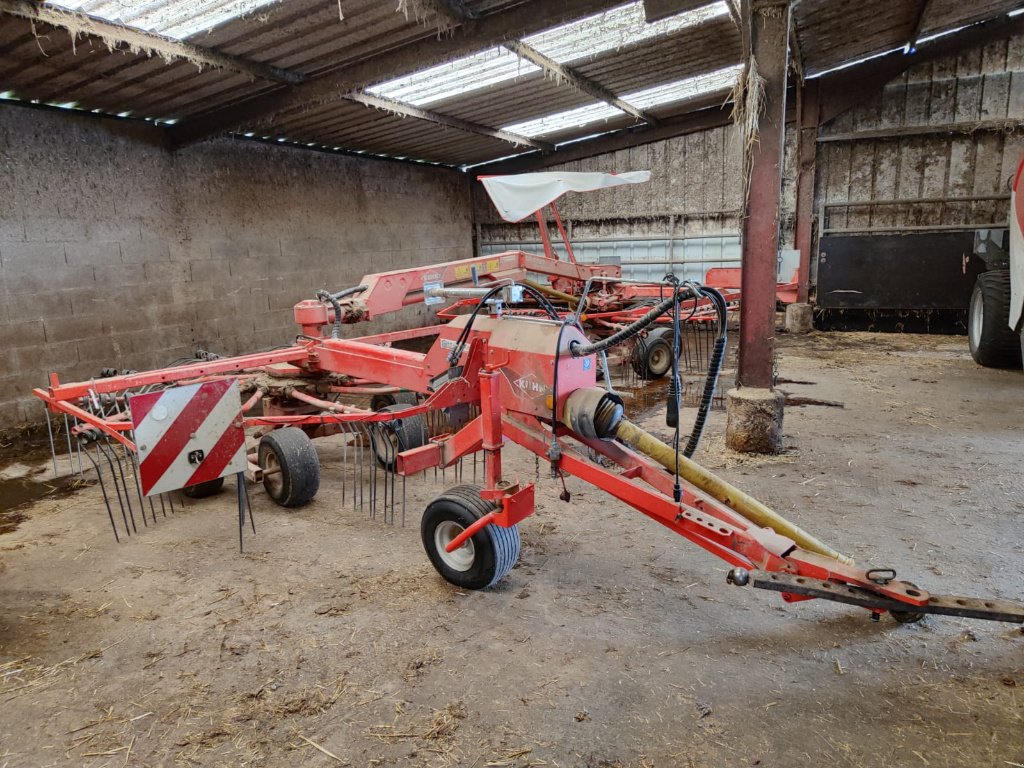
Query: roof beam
(922, 13)
(656, 10)
(580, 82)
(468, 38)
(407, 110)
(122, 37)
(670, 127)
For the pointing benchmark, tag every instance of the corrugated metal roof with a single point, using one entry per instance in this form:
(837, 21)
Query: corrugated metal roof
(657, 66)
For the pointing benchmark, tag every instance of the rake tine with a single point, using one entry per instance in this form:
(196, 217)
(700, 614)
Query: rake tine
(103, 489)
(124, 484)
(344, 462)
(239, 480)
(393, 477)
(49, 430)
(113, 478)
(403, 501)
(362, 463)
(170, 501)
(248, 503)
(138, 488)
(78, 446)
(71, 453)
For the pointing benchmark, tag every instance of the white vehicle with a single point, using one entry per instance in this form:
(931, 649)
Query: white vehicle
(994, 327)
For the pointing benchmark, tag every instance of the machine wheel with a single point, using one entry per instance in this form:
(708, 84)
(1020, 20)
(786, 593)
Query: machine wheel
(202, 490)
(293, 468)
(391, 438)
(992, 342)
(652, 357)
(380, 402)
(483, 560)
(907, 617)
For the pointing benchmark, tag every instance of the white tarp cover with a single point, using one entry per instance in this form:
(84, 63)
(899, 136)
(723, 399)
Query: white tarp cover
(519, 196)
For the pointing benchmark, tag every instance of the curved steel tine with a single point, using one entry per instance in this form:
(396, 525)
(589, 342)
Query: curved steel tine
(344, 461)
(103, 489)
(138, 488)
(117, 489)
(49, 431)
(71, 453)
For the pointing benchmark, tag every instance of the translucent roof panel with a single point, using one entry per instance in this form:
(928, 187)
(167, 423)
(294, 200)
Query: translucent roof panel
(171, 18)
(575, 41)
(495, 65)
(614, 29)
(648, 98)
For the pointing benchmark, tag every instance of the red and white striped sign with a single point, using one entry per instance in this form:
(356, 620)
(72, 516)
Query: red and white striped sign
(188, 435)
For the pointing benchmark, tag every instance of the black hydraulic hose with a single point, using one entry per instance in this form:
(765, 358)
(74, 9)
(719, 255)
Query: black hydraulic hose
(714, 368)
(631, 330)
(332, 299)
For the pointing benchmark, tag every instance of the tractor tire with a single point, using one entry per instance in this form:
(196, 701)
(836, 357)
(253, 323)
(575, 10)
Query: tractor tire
(202, 490)
(652, 356)
(388, 439)
(992, 342)
(294, 467)
(484, 559)
(380, 402)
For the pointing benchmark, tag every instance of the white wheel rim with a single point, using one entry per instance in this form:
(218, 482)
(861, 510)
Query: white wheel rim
(273, 482)
(462, 558)
(977, 320)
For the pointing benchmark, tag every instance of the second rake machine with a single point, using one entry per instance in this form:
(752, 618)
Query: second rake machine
(490, 377)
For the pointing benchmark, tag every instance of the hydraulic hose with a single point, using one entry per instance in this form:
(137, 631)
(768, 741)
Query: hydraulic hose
(332, 299)
(631, 330)
(714, 369)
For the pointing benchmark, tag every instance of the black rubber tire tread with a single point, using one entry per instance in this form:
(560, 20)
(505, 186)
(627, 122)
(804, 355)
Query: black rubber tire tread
(411, 432)
(380, 402)
(998, 346)
(642, 353)
(497, 548)
(202, 490)
(300, 466)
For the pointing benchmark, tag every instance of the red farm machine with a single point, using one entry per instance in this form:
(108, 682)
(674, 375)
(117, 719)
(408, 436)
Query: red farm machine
(515, 367)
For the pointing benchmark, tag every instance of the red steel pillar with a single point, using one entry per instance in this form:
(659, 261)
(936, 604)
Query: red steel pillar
(769, 34)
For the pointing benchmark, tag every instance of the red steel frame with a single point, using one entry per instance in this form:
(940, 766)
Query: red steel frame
(486, 363)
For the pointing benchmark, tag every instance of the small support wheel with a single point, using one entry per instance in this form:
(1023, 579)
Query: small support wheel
(390, 438)
(202, 490)
(291, 467)
(907, 617)
(991, 340)
(485, 558)
(652, 356)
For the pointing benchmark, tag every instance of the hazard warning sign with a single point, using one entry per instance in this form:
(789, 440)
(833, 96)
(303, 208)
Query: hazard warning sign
(188, 435)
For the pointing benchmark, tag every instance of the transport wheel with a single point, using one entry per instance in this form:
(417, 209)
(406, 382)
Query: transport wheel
(202, 490)
(992, 342)
(485, 558)
(391, 438)
(380, 402)
(291, 467)
(652, 357)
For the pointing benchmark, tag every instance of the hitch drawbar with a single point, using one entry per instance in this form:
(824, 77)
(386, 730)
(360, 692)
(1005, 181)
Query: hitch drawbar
(947, 605)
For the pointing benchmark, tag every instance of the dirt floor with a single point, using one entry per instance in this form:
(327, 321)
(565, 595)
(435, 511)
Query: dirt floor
(613, 643)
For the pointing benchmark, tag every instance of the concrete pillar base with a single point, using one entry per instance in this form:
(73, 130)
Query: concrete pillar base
(799, 318)
(754, 420)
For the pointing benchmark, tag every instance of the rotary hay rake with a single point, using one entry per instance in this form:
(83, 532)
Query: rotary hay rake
(489, 377)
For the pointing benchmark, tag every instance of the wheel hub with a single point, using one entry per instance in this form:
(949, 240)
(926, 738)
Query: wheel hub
(462, 558)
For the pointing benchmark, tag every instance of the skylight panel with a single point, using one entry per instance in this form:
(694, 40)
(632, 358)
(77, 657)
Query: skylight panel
(614, 29)
(177, 19)
(575, 41)
(453, 78)
(563, 121)
(659, 95)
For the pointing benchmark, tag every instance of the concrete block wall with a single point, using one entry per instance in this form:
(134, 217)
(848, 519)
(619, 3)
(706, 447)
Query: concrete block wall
(115, 252)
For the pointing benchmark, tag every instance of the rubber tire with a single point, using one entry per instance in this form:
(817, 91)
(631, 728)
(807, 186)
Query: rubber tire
(411, 433)
(380, 402)
(991, 341)
(660, 339)
(300, 466)
(496, 548)
(202, 490)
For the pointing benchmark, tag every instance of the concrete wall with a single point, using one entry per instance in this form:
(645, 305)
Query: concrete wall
(114, 252)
